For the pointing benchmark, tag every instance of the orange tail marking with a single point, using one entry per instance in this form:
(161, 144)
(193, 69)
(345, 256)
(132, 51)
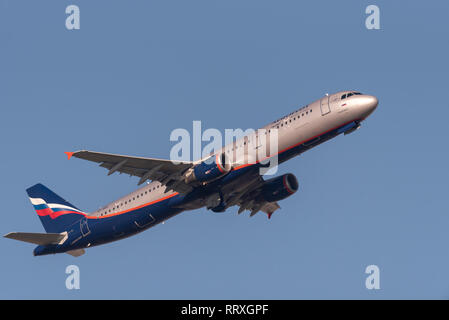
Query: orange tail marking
(69, 155)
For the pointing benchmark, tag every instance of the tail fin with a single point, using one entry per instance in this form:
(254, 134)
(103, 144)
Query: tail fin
(56, 214)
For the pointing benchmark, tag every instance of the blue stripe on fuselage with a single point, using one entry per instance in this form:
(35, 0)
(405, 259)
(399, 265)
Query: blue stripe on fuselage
(108, 229)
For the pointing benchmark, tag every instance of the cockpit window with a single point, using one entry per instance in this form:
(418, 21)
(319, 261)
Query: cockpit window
(347, 95)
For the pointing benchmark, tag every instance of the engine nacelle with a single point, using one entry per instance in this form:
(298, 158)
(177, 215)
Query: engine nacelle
(280, 187)
(210, 169)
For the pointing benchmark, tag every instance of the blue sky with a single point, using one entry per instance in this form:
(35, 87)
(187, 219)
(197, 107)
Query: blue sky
(136, 70)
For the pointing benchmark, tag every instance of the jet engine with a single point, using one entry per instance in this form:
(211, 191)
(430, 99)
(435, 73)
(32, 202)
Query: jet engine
(209, 169)
(280, 187)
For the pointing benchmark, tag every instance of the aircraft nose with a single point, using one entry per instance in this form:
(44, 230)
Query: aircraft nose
(368, 104)
(372, 102)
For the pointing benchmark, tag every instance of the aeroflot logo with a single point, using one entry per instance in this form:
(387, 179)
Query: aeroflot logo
(240, 148)
(53, 210)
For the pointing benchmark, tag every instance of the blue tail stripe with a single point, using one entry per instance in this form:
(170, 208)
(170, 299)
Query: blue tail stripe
(40, 206)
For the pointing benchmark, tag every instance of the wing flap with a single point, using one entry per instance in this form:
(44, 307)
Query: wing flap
(255, 206)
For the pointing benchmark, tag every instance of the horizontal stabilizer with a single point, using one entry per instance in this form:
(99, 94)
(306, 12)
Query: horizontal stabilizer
(38, 238)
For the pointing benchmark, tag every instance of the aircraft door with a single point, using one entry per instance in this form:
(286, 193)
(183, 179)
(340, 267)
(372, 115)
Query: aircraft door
(84, 227)
(324, 104)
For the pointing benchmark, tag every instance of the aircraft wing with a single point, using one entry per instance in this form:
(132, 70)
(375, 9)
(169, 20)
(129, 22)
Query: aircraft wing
(164, 171)
(251, 199)
(255, 205)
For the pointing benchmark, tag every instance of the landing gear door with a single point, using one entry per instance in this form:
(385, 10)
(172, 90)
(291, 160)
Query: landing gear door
(324, 104)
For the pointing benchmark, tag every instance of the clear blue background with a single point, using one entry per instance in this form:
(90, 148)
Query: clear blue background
(139, 69)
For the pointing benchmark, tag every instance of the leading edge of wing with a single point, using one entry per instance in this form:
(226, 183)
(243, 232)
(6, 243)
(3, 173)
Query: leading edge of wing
(101, 156)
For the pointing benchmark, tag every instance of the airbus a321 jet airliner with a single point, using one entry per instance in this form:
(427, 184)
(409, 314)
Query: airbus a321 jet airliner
(216, 182)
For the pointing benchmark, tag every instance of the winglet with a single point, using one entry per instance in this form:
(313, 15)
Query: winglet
(269, 214)
(69, 155)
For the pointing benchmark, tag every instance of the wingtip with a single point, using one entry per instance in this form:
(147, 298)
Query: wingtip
(69, 154)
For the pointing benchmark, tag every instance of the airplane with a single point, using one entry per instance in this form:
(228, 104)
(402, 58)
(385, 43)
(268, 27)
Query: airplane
(217, 183)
